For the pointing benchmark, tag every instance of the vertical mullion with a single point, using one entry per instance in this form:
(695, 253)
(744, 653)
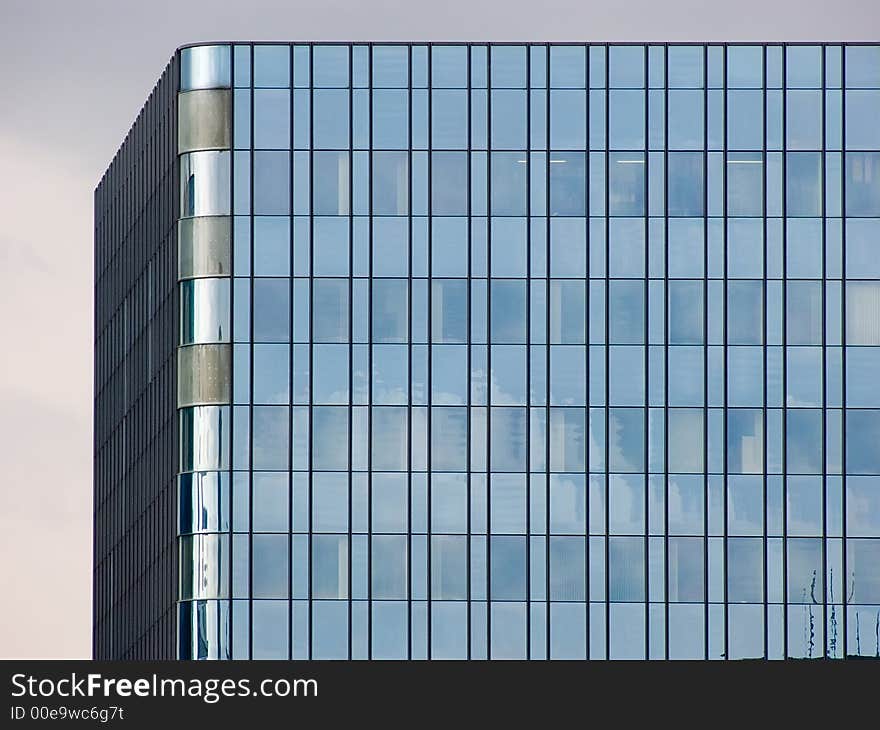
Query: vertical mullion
(528, 313)
(351, 244)
(705, 303)
(607, 348)
(290, 372)
(646, 412)
(843, 348)
(311, 339)
(489, 281)
(250, 446)
(468, 345)
(724, 358)
(587, 552)
(549, 623)
(822, 294)
(764, 286)
(430, 282)
(785, 596)
(370, 285)
(666, 340)
(468, 622)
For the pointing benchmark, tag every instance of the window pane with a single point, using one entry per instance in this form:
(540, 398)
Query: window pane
(567, 183)
(803, 120)
(389, 566)
(330, 181)
(627, 120)
(508, 568)
(449, 183)
(862, 439)
(685, 312)
(745, 570)
(567, 439)
(449, 311)
(271, 118)
(862, 110)
(685, 110)
(804, 310)
(567, 571)
(389, 438)
(567, 312)
(329, 429)
(745, 441)
(863, 183)
(508, 121)
(803, 190)
(390, 309)
(745, 312)
(270, 566)
(448, 567)
(329, 566)
(745, 184)
(508, 322)
(626, 184)
(330, 310)
(508, 439)
(449, 442)
(271, 310)
(804, 439)
(271, 183)
(626, 568)
(508, 184)
(685, 194)
(626, 312)
(390, 183)
(626, 437)
(686, 569)
(685, 438)
(568, 122)
(271, 246)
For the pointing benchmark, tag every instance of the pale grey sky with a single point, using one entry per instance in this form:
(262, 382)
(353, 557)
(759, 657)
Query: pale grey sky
(73, 76)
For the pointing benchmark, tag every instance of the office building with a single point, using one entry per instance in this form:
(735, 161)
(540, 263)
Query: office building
(429, 351)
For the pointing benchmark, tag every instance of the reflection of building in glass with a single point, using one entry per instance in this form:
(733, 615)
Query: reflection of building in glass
(413, 351)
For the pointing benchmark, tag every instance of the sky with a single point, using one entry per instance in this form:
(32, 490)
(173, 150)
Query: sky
(73, 76)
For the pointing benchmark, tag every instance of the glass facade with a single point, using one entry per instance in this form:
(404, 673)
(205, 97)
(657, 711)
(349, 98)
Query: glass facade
(532, 351)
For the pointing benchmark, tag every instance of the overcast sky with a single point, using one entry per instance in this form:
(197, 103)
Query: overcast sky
(73, 76)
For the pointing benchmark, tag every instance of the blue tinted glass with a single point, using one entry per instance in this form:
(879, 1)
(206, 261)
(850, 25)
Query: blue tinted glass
(685, 67)
(568, 121)
(803, 67)
(449, 119)
(626, 569)
(271, 183)
(863, 66)
(330, 65)
(861, 107)
(863, 183)
(626, 66)
(508, 119)
(627, 120)
(568, 67)
(271, 65)
(390, 66)
(745, 66)
(449, 66)
(508, 568)
(508, 64)
(567, 184)
(686, 119)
